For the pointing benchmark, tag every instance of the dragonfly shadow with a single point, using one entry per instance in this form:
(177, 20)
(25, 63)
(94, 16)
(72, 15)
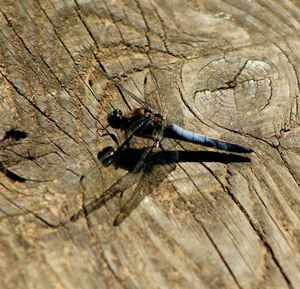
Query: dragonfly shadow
(210, 156)
(129, 158)
(158, 164)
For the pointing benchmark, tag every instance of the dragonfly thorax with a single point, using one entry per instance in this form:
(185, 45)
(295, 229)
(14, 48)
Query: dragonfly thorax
(115, 119)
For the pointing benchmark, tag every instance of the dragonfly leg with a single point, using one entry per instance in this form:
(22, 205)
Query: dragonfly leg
(158, 140)
(114, 137)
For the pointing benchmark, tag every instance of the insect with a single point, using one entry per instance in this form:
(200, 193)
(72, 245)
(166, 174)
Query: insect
(151, 166)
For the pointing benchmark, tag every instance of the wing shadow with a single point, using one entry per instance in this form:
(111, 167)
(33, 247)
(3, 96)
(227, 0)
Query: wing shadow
(128, 159)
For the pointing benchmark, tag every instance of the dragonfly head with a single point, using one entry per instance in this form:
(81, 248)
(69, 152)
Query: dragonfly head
(115, 119)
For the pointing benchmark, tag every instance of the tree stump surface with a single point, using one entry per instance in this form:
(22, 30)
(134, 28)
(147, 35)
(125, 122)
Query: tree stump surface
(226, 69)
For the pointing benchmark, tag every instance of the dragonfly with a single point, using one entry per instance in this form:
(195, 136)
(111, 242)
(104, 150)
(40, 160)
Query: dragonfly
(151, 166)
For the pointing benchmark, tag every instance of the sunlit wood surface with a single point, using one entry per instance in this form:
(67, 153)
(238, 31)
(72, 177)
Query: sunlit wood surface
(226, 69)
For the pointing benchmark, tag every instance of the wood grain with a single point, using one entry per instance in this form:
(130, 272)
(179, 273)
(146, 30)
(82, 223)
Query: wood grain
(227, 69)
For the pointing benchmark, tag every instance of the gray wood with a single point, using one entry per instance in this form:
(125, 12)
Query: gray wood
(227, 69)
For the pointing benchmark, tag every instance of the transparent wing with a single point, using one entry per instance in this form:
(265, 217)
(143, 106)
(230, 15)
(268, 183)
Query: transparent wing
(120, 159)
(157, 169)
(154, 165)
(153, 101)
(149, 170)
(152, 93)
(119, 186)
(140, 175)
(132, 95)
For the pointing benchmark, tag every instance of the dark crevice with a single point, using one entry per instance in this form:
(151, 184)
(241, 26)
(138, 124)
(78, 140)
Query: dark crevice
(283, 158)
(52, 72)
(206, 231)
(147, 26)
(15, 134)
(221, 256)
(11, 175)
(191, 110)
(96, 243)
(260, 234)
(38, 109)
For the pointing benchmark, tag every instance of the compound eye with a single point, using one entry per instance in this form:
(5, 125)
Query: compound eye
(115, 119)
(118, 113)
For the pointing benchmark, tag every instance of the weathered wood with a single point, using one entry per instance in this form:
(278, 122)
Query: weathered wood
(228, 69)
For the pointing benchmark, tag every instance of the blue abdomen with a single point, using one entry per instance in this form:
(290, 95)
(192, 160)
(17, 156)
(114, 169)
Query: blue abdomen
(176, 132)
